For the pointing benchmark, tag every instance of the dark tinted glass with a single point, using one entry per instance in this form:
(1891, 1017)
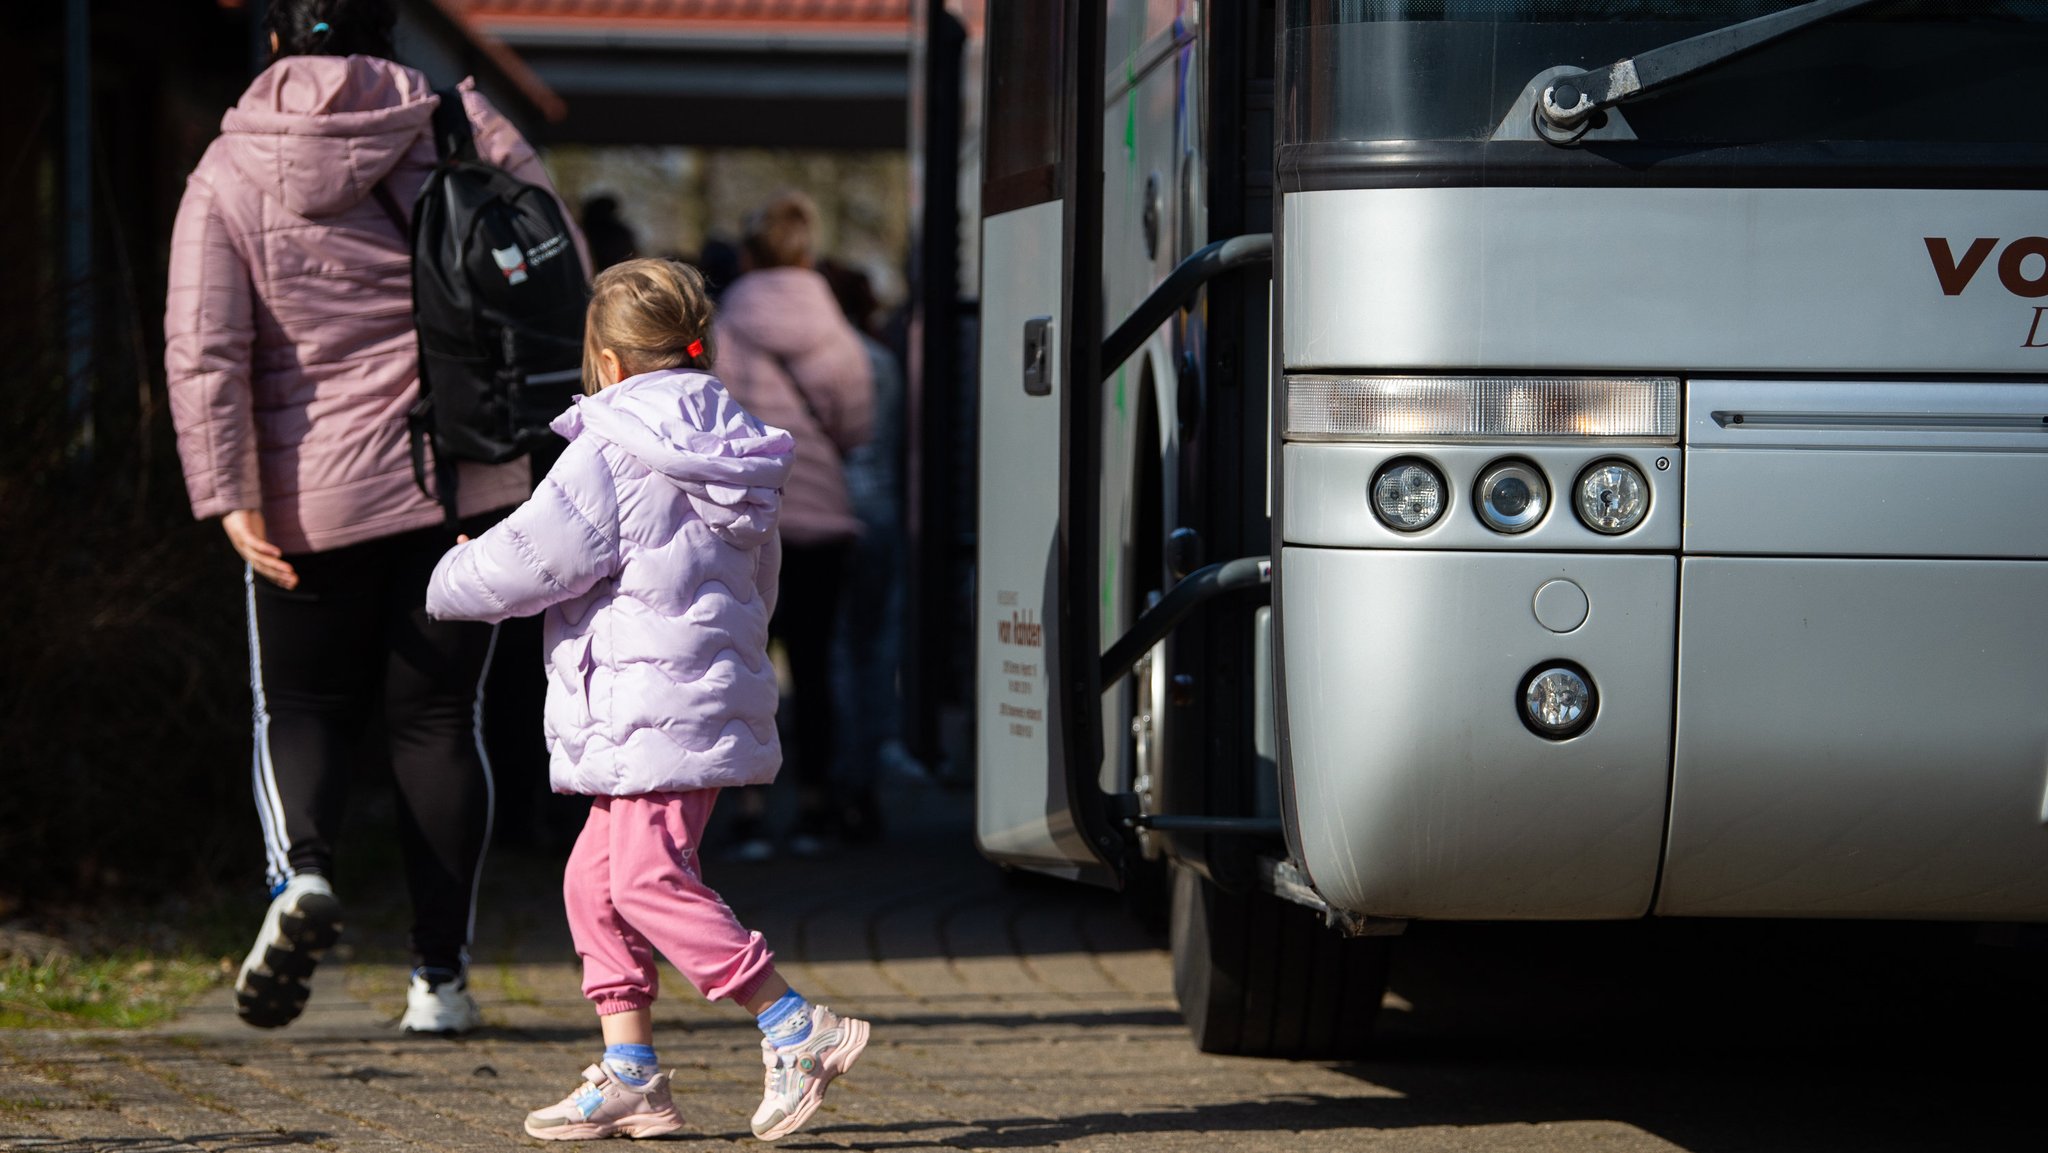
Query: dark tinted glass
(1940, 71)
(1021, 117)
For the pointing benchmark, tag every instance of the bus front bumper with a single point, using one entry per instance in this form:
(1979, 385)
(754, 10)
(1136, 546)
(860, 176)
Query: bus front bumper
(1773, 736)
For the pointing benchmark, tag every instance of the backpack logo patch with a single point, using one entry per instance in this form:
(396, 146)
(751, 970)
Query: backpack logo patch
(512, 263)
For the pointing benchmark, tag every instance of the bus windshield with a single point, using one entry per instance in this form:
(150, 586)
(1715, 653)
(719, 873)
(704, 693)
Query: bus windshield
(1913, 83)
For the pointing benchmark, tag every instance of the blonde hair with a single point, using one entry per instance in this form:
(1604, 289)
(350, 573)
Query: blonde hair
(649, 312)
(782, 233)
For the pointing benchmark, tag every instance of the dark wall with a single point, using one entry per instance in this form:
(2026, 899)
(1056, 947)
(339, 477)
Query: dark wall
(123, 695)
(161, 72)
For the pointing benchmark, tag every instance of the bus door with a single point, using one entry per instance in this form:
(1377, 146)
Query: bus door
(1036, 646)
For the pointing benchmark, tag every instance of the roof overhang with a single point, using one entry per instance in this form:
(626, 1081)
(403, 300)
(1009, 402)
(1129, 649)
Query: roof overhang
(498, 69)
(752, 73)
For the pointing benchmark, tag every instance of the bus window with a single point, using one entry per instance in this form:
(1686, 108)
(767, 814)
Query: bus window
(1021, 151)
(1939, 85)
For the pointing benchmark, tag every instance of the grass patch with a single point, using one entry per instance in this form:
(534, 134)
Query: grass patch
(21, 1106)
(111, 965)
(515, 990)
(122, 990)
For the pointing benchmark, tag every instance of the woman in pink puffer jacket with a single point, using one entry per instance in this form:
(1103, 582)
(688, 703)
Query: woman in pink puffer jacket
(291, 361)
(652, 548)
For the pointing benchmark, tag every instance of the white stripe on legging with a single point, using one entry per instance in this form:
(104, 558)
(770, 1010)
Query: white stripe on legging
(263, 773)
(483, 758)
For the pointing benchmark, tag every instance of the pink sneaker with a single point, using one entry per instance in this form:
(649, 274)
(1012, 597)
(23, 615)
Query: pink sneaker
(605, 1106)
(797, 1077)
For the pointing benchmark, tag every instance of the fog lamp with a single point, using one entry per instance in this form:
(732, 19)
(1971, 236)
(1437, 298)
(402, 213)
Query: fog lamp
(1512, 496)
(1612, 497)
(1557, 701)
(1408, 495)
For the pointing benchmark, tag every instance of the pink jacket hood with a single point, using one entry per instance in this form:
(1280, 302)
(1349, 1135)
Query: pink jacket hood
(685, 428)
(289, 347)
(319, 132)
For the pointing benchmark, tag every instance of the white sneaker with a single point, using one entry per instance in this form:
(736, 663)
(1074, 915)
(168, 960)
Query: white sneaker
(797, 1076)
(604, 1106)
(304, 921)
(439, 1002)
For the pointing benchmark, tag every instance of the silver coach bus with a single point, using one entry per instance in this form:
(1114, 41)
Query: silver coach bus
(1511, 459)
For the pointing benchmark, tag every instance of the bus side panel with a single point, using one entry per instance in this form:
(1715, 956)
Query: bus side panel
(1022, 814)
(1759, 279)
(1420, 793)
(1861, 738)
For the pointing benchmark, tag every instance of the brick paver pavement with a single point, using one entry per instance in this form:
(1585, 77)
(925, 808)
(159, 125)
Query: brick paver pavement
(1007, 1016)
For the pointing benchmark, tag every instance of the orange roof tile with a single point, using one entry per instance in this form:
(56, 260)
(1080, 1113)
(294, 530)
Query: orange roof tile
(784, 15)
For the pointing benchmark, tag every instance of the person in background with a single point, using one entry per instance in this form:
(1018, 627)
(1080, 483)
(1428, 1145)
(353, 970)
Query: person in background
(612, 240)
(792, 359)
(651, 547)
(868, 647)
(720, 263)
(292, 362)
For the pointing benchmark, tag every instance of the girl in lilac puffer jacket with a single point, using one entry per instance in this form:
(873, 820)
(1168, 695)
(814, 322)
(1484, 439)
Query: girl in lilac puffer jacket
(652, 547)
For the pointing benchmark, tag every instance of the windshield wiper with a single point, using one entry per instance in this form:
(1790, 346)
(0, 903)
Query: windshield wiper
(1569, 102)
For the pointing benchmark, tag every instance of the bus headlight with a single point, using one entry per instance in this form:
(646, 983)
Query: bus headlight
(1612, 497)
(1408, 495)
(1512, 496)
(1557, 700)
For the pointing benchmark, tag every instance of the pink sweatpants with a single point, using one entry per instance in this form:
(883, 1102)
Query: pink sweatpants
(633, 887)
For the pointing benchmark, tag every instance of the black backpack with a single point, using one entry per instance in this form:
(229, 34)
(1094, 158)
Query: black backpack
(498, 298)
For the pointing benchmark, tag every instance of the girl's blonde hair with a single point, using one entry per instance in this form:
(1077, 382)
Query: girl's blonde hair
(651, 313)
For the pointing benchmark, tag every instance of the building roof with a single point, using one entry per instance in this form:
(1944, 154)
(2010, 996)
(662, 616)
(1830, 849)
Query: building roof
(842, 24)
(486, 53)
(780, 11)
(761, 73)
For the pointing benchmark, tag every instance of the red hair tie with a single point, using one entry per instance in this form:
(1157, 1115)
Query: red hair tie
(696, 347)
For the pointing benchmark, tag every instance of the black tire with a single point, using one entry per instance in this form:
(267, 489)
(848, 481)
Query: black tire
(1260, 977)
(1148, 893)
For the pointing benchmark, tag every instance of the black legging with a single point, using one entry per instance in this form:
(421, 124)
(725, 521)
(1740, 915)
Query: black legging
(806, 613)
(357, 623)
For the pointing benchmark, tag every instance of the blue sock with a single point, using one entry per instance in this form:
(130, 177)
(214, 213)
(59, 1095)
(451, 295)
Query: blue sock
(633, 1064)
(788, 1021)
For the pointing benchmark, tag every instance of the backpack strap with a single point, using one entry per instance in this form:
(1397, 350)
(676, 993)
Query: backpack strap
(804, 395)
(454, 139)
(389, 203)
(419, 426)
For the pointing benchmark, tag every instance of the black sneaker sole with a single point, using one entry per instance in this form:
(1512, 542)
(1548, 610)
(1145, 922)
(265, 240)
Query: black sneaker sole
(274, 994)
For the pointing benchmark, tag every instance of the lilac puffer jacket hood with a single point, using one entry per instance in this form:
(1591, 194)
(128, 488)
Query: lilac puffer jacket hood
(652, 547)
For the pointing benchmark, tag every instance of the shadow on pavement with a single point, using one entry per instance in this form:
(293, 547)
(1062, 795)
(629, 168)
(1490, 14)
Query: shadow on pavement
(1903, 1102)
(744, 1030)
(224, 1142)
(836, 907)
(1718, 1036)
(1727, 1110)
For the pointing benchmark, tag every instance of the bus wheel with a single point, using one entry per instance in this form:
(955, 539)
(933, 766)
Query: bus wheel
(1148, 879)
(1260, 977)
